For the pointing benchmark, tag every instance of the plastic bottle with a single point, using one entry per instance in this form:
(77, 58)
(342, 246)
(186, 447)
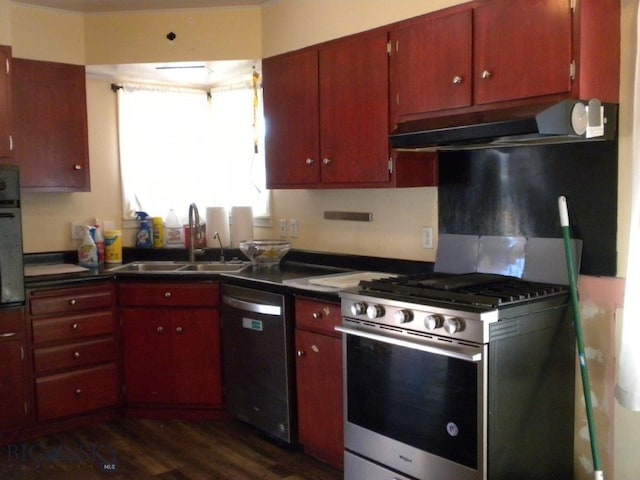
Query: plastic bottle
(98, 238)
(144, 237)
(87, 251)
(173, 231)
(158, 232)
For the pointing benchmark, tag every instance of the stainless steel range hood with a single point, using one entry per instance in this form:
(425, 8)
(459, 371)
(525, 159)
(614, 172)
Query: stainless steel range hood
(562, 122)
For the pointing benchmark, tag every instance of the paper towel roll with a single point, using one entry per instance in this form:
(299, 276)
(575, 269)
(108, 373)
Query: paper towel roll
(217, 221)
(241, 224)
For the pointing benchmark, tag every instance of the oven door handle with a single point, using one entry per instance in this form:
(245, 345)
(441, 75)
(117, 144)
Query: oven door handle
(459, 353)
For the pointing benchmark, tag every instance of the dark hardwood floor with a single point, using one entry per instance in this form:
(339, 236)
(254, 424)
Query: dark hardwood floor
(135, 449)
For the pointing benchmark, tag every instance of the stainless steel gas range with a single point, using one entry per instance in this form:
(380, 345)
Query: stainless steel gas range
(458, 377)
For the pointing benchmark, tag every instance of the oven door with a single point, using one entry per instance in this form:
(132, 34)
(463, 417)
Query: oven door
(415, 406)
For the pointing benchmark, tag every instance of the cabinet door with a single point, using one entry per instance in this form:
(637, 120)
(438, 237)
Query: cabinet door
(521, 49)
(5, 101)
(430, 66)
(50, 141)
(13, 379)
(319, 383)
(292, 144)
(354, 110)
(197, 359)
(147, 356)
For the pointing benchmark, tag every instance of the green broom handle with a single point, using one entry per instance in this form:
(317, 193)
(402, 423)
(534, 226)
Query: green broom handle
(566, 233)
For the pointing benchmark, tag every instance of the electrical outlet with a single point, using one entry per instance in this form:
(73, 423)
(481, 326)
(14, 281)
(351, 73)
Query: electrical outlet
(427, 237)
(76, 230)
(283, 228)
(293, 223)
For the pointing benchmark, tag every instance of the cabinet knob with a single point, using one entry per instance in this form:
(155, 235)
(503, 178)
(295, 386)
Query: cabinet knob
(167, 294)
(486, 74)
(316, 315)
(72, 301)
(77, 167)
(315, 348)
(309, 161)
(300, 353)
(326, 161)
(75, 326)
(76, 354)
(457, 80)
(78, 392)
(179, 330)
(159, 330)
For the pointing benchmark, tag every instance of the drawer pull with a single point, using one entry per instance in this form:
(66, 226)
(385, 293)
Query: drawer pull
(315, 348)
(76, 354)
(7, 335)
(316, 315)
(72, 301)
(78, 392)
(167, 294)
(179, 330)
(75, 326)
(159, 330)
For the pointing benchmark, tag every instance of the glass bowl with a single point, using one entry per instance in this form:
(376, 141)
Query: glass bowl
(265, 252)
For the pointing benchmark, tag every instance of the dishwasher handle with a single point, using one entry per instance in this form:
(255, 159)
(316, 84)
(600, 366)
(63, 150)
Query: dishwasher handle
(252, 306)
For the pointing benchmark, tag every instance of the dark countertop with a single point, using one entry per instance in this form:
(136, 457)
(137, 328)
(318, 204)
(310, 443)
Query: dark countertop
(297, 264)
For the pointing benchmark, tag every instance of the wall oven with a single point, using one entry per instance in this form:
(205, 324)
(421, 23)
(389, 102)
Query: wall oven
(457, 377)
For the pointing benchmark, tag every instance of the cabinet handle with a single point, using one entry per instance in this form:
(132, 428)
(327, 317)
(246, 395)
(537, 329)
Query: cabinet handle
(159, 330)
(7, 335)
(75, 326)
(76, 355)
(457, 80)
(309, 161)
(77, 167)
(315, 348)
(78, 392)
(326, 161)
(167, 294)
(300, 353)
(316, 315)
(178, 329)
(486, 74)
(72, 301)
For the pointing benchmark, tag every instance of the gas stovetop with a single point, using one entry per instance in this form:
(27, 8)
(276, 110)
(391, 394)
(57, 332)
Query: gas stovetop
(472, 289)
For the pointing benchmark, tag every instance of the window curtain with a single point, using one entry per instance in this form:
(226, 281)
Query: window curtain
(628, 381)
(165, 149)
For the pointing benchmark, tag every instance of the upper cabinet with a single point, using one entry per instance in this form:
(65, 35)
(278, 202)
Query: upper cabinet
(5, 101)
(50, 141)
(493, 53)
(326, 114)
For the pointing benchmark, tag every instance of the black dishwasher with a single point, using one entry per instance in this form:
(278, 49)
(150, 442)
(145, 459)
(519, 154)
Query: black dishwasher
(258, 360)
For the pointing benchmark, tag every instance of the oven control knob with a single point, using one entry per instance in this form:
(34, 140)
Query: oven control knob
(358, 308)
(453, 325)
(403, 316)
(374, 311)
(431, 322)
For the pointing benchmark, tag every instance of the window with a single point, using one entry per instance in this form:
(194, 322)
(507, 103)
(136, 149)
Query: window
(179, 146)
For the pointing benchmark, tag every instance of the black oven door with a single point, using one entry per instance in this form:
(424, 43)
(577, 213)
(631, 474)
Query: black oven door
(414, 406)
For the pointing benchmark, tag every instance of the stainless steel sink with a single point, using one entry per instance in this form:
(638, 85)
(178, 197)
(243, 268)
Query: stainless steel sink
(160, 267)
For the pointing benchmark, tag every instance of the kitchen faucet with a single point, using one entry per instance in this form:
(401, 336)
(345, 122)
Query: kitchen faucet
(217, 235)
(195, 231)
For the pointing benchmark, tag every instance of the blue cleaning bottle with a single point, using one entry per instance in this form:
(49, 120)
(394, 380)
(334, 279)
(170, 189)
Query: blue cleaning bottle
(144, 237)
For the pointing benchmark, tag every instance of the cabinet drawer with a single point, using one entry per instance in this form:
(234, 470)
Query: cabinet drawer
(72, 327)
(11, 323)
(318, 316)
(76, 392)
(169, 294)
(74, 355)
(70, 300)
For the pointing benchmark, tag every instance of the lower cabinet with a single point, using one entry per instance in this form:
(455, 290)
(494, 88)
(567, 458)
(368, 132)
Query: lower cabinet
(15, 407)
(75, 349)
(319, 380)
(171, 344)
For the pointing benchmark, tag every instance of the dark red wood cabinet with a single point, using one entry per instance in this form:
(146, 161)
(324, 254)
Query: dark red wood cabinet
(15, 404)
(319, 380)
(50, 139)
(5, 101)
(171, 344)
